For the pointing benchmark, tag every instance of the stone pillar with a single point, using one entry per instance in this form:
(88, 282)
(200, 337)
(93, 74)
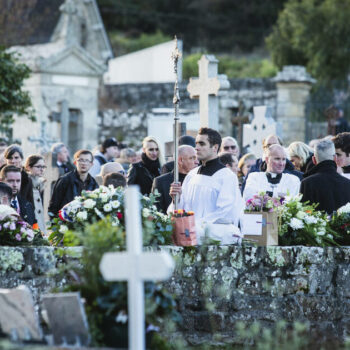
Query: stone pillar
(293, 89)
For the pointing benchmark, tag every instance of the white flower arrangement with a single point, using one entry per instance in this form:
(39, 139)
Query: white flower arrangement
(107, 201)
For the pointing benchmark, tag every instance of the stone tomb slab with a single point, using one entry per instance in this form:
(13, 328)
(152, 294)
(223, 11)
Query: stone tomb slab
(17, 314)
(66, 316)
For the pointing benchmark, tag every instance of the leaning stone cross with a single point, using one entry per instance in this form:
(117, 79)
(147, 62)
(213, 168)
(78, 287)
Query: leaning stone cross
(135, 266)
(206, 88)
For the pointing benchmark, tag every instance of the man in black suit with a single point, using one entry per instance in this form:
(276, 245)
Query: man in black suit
(322, 184)
(187, 161)
(11, 175)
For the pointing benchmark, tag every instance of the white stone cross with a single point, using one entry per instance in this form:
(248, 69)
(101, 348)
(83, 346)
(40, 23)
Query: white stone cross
(261, 126)
(206, 88)
(135, 266)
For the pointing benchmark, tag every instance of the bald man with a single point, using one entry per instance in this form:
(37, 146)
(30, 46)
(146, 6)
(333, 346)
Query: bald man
(187, 161)
(273, 181)
(109, 168)
(260, 164)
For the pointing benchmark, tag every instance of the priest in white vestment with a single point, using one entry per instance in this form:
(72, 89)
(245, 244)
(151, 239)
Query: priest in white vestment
(211, 191)
(273, 181)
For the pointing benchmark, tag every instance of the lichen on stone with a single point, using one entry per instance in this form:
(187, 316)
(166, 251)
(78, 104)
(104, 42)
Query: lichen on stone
(275, 255)
(11, 259)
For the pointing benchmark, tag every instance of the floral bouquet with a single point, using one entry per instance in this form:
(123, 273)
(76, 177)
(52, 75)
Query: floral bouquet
(13, 230)
(302, 224)
(340, 223)
(263, 202)
(95, 205)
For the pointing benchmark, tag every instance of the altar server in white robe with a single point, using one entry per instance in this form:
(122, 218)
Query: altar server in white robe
(273, 181)
(211, 191)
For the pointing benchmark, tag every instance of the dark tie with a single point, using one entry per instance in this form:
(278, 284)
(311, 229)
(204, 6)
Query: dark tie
(14, 204)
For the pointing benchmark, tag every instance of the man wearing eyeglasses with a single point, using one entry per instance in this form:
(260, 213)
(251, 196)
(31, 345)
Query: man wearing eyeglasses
(73, 183)
(230, 145)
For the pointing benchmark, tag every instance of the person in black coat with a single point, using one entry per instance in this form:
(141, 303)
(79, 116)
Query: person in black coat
(187, 161)
(14, 156)
(143, 172)
(11, 175)
(73, 183)
(322, 184)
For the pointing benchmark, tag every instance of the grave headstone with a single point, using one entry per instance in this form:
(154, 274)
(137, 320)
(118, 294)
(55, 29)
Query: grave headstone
(17, 314)
(138, 266)
(67, 319)
(261, 126)
(206, 88)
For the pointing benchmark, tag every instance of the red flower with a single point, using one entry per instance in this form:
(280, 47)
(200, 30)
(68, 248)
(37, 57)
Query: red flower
(119, 216)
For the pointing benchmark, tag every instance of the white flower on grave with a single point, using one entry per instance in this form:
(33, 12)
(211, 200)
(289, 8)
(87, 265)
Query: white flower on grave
(30, 235)
(321, 232)
(344, 209)
(82, 215)
(301, 214)
(122, 317)
(146, 212)
(115, 204)
(104, 197)
(89, 203)
(63, 229)
(296, 224)
(107, 207)
(73, 206)
(310, 219)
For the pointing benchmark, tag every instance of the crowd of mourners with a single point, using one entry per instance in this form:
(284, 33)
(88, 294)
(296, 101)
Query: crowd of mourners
(215, 176)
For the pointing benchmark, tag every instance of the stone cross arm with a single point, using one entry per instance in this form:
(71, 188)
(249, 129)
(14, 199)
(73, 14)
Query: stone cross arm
(196, 88)
(147, 266)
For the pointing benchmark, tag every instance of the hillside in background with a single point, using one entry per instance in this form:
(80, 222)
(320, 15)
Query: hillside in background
(218, 26)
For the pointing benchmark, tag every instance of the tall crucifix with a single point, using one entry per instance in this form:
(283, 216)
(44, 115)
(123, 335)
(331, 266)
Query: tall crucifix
(206, 88)
(135, 266)
(42, 141)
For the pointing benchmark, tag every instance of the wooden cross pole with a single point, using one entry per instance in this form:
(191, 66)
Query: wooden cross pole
(135, 266)
(206, 88)
(238, 122)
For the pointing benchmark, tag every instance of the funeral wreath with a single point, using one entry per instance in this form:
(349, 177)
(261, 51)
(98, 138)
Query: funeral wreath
(93, 206)
(303, 224)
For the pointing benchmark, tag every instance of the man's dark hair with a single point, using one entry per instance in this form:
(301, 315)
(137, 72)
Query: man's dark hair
(11, 150)
(8, 169)
(187, 140)
(115, 179)
(32, 160)
(226, 158)
(5, 190)
(342, 141)
(214, 137)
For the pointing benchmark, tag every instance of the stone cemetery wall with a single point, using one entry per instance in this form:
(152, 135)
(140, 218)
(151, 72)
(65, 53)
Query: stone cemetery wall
(124, 107)
(217, 286)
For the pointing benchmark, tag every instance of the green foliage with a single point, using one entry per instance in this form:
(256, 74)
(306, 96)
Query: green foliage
(313, 33)
(123, 44)
(13, 100)
(106, 303)
(232, 67)
(218, 26)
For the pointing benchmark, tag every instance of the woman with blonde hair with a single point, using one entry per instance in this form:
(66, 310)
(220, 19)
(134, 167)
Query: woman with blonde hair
(35, 167)
(244, 165)
(142, 173)
(300, 155)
